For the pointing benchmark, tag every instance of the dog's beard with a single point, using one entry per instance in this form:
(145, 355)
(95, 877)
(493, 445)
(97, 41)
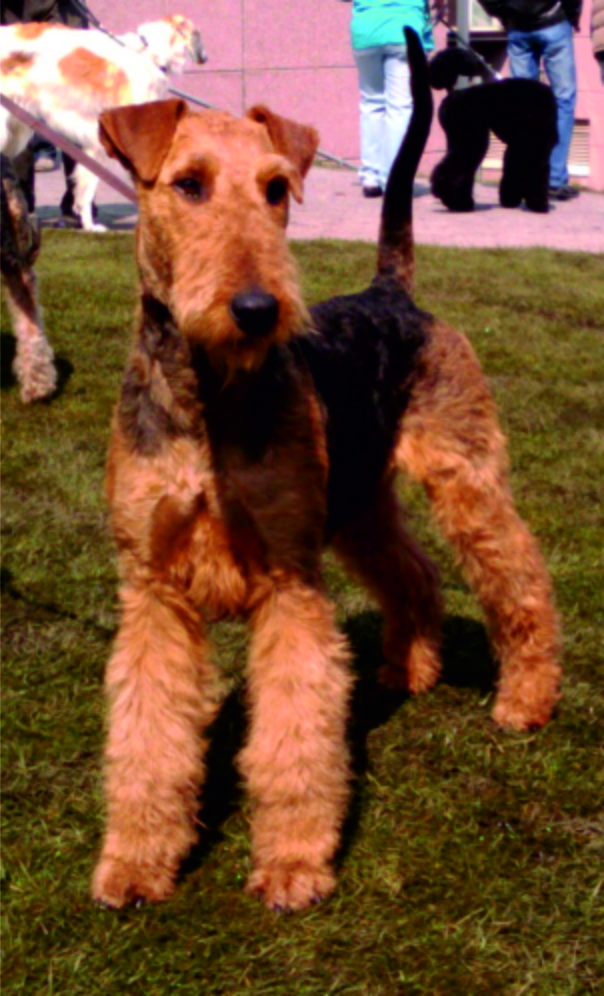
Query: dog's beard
(228, 348)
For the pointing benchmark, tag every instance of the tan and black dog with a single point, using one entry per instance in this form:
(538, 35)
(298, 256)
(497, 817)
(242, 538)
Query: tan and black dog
(249, 434)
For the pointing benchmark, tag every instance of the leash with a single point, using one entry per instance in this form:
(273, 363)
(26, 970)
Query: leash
(66, 146)
(86, 13)
(454, 39)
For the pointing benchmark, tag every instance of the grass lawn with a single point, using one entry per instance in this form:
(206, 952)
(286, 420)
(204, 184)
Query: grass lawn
(471, 862)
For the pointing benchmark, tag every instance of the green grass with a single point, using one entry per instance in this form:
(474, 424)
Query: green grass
(472, 859)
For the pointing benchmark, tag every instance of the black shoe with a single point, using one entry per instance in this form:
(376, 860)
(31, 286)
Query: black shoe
(68, 221)
(373, 192)
(564, 193)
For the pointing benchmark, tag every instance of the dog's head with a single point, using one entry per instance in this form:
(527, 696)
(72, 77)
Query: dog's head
(214, 196)
(170, 41)
(447, 66)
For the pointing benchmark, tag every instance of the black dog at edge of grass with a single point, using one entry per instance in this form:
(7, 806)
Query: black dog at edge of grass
(520, 112)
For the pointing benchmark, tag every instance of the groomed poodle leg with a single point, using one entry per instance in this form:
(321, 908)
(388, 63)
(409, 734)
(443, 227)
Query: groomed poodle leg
(452, 179)
(160, 689)
(535, 179)
(510, 186)
(376, 546)
(451, 442)
(296, 762)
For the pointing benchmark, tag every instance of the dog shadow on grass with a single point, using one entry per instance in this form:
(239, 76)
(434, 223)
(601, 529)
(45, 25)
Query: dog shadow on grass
(467, 663)
(8, 348)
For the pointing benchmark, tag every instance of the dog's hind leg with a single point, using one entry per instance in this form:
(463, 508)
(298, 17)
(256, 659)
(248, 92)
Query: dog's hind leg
(85, 184)
(295, 762)
(376, 547)
(535, 177)
(450, 441)
(160, 688)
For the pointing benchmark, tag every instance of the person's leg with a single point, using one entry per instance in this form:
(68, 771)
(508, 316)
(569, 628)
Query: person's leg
(524, 51)
(373, 108)
(399, 105)
(559, 63)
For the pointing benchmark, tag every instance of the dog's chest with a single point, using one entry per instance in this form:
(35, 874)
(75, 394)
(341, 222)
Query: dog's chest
(270, 469)
(242, 499)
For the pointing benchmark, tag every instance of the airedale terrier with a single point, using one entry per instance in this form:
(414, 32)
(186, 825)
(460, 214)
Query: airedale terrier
(34, 360)
(250, 432)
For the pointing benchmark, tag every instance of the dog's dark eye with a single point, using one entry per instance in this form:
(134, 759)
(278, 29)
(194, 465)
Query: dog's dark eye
(276, 190)
(191, 188)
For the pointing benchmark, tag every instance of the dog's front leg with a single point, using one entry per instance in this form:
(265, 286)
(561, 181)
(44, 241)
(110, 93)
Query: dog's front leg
(296, 762)
(34, 361)
(160, 688)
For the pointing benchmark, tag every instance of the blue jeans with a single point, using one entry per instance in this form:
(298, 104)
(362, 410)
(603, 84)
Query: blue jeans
(555, 46)
(386, 106)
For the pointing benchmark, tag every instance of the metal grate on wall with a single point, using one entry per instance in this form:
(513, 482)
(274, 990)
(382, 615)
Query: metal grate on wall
(578, 160)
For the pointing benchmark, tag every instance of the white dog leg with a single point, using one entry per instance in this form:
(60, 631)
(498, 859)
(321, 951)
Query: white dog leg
(85, 184)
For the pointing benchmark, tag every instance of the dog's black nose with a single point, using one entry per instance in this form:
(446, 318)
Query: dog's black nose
(255, 311)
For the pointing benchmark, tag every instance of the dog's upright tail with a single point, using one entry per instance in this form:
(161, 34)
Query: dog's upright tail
(395, 247)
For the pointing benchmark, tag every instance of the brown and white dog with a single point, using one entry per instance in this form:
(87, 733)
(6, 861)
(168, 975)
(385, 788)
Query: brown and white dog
(67, 77)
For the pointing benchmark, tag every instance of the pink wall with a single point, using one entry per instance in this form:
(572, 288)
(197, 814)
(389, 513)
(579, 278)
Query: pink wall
(296, 58)
(590, 102)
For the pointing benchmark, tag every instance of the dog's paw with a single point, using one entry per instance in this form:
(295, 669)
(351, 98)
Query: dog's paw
(539, 207)
(119, 883)
(525, 701)
(288, 888)
(510, 201)
(521, 716)
(419, 671)
(41, 383)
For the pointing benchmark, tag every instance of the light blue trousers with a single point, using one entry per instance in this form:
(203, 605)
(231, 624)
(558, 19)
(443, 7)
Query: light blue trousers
(555, 46)
(386, 106)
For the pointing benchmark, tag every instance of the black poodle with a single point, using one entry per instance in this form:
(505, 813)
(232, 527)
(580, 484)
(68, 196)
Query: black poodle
(520, 112)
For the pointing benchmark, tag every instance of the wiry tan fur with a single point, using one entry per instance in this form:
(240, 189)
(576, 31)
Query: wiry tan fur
(67, 76)
(34, 359)
(218, 477)
(451, 442)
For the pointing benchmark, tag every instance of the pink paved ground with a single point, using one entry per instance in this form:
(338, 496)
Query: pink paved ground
(334, 209)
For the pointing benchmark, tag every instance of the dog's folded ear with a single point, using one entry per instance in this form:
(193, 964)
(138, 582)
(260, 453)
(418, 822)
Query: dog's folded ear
(295, 141)
(139, 135)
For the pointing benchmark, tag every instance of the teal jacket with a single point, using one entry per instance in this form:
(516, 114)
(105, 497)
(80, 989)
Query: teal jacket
(381, 22)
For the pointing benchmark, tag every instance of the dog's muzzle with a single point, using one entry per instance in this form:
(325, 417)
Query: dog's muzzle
(255, 312)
